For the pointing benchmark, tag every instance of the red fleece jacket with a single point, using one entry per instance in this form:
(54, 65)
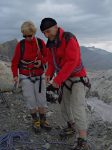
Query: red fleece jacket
(68, 57)
(30, 53)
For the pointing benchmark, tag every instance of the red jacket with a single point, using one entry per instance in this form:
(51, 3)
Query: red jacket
(30, 53)
(67, 56)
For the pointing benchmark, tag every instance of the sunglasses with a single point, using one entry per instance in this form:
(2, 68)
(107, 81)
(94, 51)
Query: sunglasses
(25, 36)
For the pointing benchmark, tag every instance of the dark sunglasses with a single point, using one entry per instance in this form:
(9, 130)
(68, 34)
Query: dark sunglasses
(25, 36)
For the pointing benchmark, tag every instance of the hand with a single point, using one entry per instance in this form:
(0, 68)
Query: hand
(55, 85)
(15, 79)
(47, 79)
(38, 64)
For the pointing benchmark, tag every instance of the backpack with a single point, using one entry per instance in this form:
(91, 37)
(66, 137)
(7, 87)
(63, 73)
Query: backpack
(67, 36)
(22, 46)
(85, 81)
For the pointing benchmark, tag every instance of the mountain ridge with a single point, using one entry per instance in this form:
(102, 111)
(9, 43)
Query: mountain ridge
(98, 59)
(93, 58)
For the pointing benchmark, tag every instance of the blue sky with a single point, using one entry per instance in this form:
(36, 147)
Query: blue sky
(90, 21)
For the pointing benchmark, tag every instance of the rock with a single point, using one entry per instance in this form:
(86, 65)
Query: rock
(46, 146)
(101, 85)
(16, 117)
(6, 80)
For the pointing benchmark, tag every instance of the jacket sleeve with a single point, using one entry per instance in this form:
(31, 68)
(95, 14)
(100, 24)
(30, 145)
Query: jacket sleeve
(50, 70)
(15, 60)
(72, 56)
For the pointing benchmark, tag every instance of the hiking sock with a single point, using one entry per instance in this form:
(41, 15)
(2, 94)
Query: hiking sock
(34, 116)
(71, 125)
(42, 117)
(83, 138)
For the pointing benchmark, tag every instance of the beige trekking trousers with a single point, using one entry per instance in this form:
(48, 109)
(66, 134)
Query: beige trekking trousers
(73, 105)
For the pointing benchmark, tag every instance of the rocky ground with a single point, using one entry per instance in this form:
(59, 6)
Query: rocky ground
(101, 85)
(15, 119)
(15, 122)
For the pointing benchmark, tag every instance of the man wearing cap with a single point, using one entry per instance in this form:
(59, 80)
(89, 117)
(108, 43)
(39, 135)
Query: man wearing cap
(65, 59)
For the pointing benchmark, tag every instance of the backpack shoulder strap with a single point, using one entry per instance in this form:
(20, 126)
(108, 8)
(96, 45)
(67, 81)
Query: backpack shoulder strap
(22, 48)
(67, 36)
(40, 43)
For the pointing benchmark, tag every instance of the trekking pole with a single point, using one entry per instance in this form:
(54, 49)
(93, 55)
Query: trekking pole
(16, 88)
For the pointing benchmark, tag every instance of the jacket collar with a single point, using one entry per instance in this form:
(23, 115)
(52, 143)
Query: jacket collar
(57, 42)
(33, 40)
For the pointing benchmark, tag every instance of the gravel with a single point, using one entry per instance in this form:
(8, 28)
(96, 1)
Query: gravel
(15, 119)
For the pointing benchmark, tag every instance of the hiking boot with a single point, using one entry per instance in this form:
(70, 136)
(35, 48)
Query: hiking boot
(67, 131)
(36, 125)
(81, 145)
(45, 125)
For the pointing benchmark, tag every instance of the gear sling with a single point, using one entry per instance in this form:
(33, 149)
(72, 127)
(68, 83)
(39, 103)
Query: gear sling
(25, 64)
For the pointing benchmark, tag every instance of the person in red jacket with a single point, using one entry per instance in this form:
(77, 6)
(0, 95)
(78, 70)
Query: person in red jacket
(64, 59)
(27, 67)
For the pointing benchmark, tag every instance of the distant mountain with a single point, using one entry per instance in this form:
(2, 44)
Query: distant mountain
(96, 59)
(98, 50)
(93, 58)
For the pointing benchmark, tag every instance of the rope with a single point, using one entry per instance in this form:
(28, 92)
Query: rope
(7, 142)
(11, 139)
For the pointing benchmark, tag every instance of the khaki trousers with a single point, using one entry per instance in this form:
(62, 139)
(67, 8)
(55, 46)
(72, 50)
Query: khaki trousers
(73, 105)
(33, 97)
